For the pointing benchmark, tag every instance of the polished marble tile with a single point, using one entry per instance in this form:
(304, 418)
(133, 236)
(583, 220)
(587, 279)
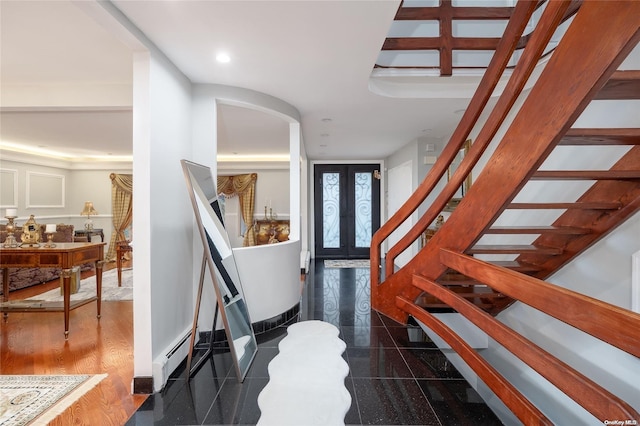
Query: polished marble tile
(238, 404)
(366, 336)
(396, 374)
(455, 402)
(377, 362)
(392, 402)
(429, 363)
(410, 337)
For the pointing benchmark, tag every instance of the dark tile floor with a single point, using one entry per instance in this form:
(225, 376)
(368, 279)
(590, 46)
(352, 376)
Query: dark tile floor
(397, 375)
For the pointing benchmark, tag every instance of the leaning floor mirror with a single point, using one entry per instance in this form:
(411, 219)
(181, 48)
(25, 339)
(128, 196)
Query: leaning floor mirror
(218, 257)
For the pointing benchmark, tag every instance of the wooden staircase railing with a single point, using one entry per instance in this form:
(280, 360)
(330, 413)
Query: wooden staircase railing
(521, 15)
(574, 74)
(604, 321)
(443, 275)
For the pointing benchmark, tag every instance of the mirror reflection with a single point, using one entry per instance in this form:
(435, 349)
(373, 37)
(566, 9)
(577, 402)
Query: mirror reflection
(221, 264)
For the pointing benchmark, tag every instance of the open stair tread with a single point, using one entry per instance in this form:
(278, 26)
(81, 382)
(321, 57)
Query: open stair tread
(586, 175)
(512, 248)
(601, 137)
(517, 266)
(566, 230)
(613, 205)
(621, 85)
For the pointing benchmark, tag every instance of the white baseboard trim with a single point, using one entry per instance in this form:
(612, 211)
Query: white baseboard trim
(171, 357)
(305, 260)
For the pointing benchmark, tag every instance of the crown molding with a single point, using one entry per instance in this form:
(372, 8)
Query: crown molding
(74, 164)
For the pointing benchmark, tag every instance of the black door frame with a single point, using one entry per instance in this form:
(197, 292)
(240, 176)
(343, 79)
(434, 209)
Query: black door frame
(347, 249)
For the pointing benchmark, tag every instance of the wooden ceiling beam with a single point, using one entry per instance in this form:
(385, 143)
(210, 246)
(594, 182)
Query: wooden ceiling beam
(435, 43)
(434, 13)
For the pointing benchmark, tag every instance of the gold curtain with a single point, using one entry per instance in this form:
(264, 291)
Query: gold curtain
(244, 186)
(121, 207)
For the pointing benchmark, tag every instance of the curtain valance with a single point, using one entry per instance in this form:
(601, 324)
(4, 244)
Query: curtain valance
(244, 186)
(231, 186)
(122, 182)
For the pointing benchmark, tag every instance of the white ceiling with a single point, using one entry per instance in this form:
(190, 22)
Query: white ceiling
(66, 81)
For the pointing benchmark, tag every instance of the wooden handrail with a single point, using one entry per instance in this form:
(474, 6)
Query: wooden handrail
(607, 322)
(508, 394)
(489, 81)
(593, 397)
(531, 136)
(553, 15)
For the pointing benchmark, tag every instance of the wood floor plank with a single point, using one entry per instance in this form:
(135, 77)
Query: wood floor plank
(33, 343)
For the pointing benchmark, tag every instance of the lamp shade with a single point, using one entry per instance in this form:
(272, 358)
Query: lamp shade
(88, 209)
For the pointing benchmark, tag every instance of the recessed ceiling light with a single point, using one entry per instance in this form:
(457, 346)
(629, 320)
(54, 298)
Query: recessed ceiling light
(223, 58)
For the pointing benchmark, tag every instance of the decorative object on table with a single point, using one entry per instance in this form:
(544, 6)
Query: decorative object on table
(50, 229)
(30, 233)
(25, 398)
(271, 216)
(88, 211)
(10, 241)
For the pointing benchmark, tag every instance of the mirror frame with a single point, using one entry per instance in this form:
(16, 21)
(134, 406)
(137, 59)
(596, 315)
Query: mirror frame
(222, 266)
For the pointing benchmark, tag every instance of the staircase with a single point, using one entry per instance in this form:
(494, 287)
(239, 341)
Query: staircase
(481, 261)
(613, 197)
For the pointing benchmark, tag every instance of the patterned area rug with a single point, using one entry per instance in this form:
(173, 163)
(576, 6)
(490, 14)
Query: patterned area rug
(110, 289)
(36, 400)
(347, 263)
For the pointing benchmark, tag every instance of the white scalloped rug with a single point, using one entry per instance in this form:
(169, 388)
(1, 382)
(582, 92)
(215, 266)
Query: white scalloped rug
(110, 289)
(306, 378)
(36, 400)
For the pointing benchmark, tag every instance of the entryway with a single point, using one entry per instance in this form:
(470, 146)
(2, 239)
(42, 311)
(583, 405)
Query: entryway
(347, 209)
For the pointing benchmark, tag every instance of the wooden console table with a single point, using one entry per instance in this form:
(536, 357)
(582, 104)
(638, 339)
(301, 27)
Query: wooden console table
(63, 255)
(89, 233)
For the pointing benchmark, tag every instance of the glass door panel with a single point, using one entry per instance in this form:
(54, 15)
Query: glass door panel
(347, 200)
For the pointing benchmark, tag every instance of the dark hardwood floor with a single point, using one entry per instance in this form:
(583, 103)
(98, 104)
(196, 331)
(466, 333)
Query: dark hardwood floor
(33, 343)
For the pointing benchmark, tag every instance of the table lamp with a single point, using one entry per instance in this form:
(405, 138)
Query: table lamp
(88, 211)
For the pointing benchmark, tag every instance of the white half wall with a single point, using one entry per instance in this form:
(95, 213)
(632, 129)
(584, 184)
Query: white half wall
(270, 276)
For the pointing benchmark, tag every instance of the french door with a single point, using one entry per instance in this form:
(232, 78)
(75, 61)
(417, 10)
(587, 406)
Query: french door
(347, 209)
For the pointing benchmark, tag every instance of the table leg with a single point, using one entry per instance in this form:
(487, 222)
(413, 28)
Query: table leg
(66, 291)
(5, 289)
(119, 265)
(99, 265)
